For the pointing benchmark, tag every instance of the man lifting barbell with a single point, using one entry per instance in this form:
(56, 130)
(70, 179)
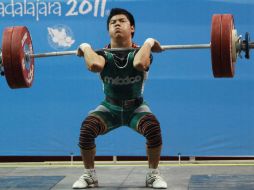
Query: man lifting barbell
(123, 74)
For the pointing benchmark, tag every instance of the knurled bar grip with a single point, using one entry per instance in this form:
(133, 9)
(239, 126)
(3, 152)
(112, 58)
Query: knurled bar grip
(164, 47)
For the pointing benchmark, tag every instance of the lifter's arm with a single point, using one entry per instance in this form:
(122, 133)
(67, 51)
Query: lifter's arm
(142, 59)
(94, 62)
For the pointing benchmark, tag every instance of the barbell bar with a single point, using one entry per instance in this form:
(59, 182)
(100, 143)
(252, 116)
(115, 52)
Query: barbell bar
(164, 47)
(17, 56)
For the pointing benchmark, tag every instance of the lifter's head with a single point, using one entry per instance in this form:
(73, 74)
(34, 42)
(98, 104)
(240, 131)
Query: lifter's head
(120, 22)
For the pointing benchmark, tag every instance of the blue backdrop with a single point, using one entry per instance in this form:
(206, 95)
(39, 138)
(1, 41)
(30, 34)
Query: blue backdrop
(199, 115)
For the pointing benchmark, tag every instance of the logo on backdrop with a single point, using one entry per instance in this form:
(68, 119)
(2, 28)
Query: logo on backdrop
(44, 8)
(60, 37)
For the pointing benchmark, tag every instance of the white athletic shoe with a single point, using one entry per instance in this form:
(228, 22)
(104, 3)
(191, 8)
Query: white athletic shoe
(154, 180)
(88, 179)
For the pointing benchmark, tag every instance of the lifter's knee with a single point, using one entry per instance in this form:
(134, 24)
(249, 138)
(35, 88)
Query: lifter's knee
(149, 126)
(91, 127)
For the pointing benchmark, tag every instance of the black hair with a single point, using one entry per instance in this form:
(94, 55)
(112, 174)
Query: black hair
(118, 11)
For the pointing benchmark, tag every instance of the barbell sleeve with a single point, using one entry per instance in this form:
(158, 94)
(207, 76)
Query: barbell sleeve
(251, 46)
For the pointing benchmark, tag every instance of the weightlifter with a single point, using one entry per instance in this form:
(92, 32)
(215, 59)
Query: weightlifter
(123, 74)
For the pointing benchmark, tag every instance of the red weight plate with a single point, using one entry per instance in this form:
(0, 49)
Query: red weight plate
(216, 45)
(7, 57)
(227, 26)
(23, 66)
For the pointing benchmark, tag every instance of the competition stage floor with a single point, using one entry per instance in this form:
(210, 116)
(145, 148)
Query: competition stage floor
(198, 175)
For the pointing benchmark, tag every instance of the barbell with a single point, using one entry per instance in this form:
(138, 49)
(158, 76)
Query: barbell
(17, 56)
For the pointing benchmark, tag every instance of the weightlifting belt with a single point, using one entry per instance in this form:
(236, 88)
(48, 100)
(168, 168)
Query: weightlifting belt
(125, 103)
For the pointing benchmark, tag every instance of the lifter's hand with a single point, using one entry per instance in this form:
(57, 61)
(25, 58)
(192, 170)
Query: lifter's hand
(94, 62)
(142, 59)
(81, 49)
(155, 45)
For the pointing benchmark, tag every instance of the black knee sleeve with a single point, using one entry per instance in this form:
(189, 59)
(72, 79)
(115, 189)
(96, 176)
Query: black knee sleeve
(90, 129)
(149, 126)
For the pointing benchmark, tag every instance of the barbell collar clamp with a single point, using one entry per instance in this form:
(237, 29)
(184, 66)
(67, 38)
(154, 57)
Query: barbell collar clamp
(246, 45)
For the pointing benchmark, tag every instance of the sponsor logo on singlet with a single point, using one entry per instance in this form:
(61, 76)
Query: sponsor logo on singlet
(122, 81)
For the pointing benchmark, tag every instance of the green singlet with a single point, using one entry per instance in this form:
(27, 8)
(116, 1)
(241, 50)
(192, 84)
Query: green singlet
(121, 83)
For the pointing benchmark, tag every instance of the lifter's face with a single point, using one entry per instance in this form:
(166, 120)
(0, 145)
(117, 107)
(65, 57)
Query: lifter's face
(120, 27)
